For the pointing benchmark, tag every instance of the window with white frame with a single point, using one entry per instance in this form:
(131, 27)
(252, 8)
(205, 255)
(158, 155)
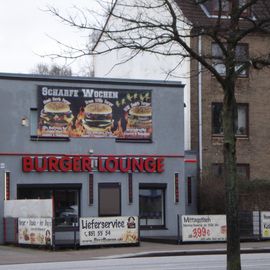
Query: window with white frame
(223, 7)
(220, 5)
(241, 55)
(241, 120)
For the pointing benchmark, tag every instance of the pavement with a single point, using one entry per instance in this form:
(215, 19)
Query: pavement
(10, 254)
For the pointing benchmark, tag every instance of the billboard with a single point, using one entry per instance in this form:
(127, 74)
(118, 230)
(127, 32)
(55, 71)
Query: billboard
(265, 225)
(109, 230)
(28, 208)
(35, 231)
(94, 112)
(204, 228)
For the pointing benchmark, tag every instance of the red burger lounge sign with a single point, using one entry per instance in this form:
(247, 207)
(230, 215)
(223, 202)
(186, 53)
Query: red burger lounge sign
(87, 164)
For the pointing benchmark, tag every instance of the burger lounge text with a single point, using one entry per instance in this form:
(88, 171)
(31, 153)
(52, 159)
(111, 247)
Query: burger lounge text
(88, 164)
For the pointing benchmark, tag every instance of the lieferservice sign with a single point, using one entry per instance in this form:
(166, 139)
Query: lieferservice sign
(109, 230)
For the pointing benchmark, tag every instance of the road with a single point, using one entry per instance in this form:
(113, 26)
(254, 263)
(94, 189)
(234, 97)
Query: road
(209, 262)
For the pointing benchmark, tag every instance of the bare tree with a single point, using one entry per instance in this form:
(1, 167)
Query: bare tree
(53, 70)
(159, 27)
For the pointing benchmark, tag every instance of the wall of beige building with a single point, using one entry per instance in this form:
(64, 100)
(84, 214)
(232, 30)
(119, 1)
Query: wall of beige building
(253, 90)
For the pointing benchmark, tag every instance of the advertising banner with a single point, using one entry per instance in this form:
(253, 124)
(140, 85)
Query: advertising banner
(265, 224)
(35, 231)
(204, 228)
(89, 112)
(109, 230)
(28, 208)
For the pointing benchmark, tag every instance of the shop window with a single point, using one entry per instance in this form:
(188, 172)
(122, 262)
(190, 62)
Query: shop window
(241, 56)
(242, 169)
(109, 199)
(152, 205)
(66, 207)
(241, 120)
(66, 201)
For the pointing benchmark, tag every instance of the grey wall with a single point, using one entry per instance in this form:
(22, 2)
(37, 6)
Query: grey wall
(19, 95)
(191, 170)
(1, 204)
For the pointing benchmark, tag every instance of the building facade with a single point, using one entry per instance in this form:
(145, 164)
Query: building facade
(252, 96)
(97, 147)
(251, 93)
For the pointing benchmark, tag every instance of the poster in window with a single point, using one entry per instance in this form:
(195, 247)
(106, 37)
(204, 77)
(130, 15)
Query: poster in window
(89, 112)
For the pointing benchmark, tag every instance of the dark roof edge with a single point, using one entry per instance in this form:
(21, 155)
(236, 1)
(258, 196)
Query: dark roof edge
(77, 79)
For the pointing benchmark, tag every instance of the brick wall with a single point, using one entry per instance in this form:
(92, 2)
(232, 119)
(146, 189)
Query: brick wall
(254, 90)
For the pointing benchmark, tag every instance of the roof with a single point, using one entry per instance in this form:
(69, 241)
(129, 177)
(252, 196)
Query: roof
(196, 14)
(88, 80)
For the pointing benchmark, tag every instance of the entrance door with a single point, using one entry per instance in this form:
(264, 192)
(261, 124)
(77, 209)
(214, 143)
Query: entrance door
(65, 197)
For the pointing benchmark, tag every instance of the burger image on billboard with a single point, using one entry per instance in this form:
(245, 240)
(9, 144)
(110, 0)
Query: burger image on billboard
(140, 117)
(98, 117)
(56, 114)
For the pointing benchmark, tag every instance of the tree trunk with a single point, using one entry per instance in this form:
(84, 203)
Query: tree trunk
(229, 148)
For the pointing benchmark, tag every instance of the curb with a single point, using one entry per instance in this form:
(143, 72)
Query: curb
(183, 253)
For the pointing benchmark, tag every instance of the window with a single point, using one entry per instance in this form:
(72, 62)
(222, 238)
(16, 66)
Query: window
(241, 55)
(247, 11)
(243, 170)
(66, 200)
(224, 4)
(152, 205)
(66, 206)
(241, 121)
(109, 199)
(226, 7)
(217, 118)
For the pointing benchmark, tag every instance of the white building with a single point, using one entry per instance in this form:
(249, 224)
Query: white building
(145, 65)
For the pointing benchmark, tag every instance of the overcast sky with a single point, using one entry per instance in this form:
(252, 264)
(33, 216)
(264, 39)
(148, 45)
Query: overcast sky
(24, 31)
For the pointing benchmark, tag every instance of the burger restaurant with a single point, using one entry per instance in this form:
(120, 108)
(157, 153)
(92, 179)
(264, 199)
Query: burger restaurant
(98, 148)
